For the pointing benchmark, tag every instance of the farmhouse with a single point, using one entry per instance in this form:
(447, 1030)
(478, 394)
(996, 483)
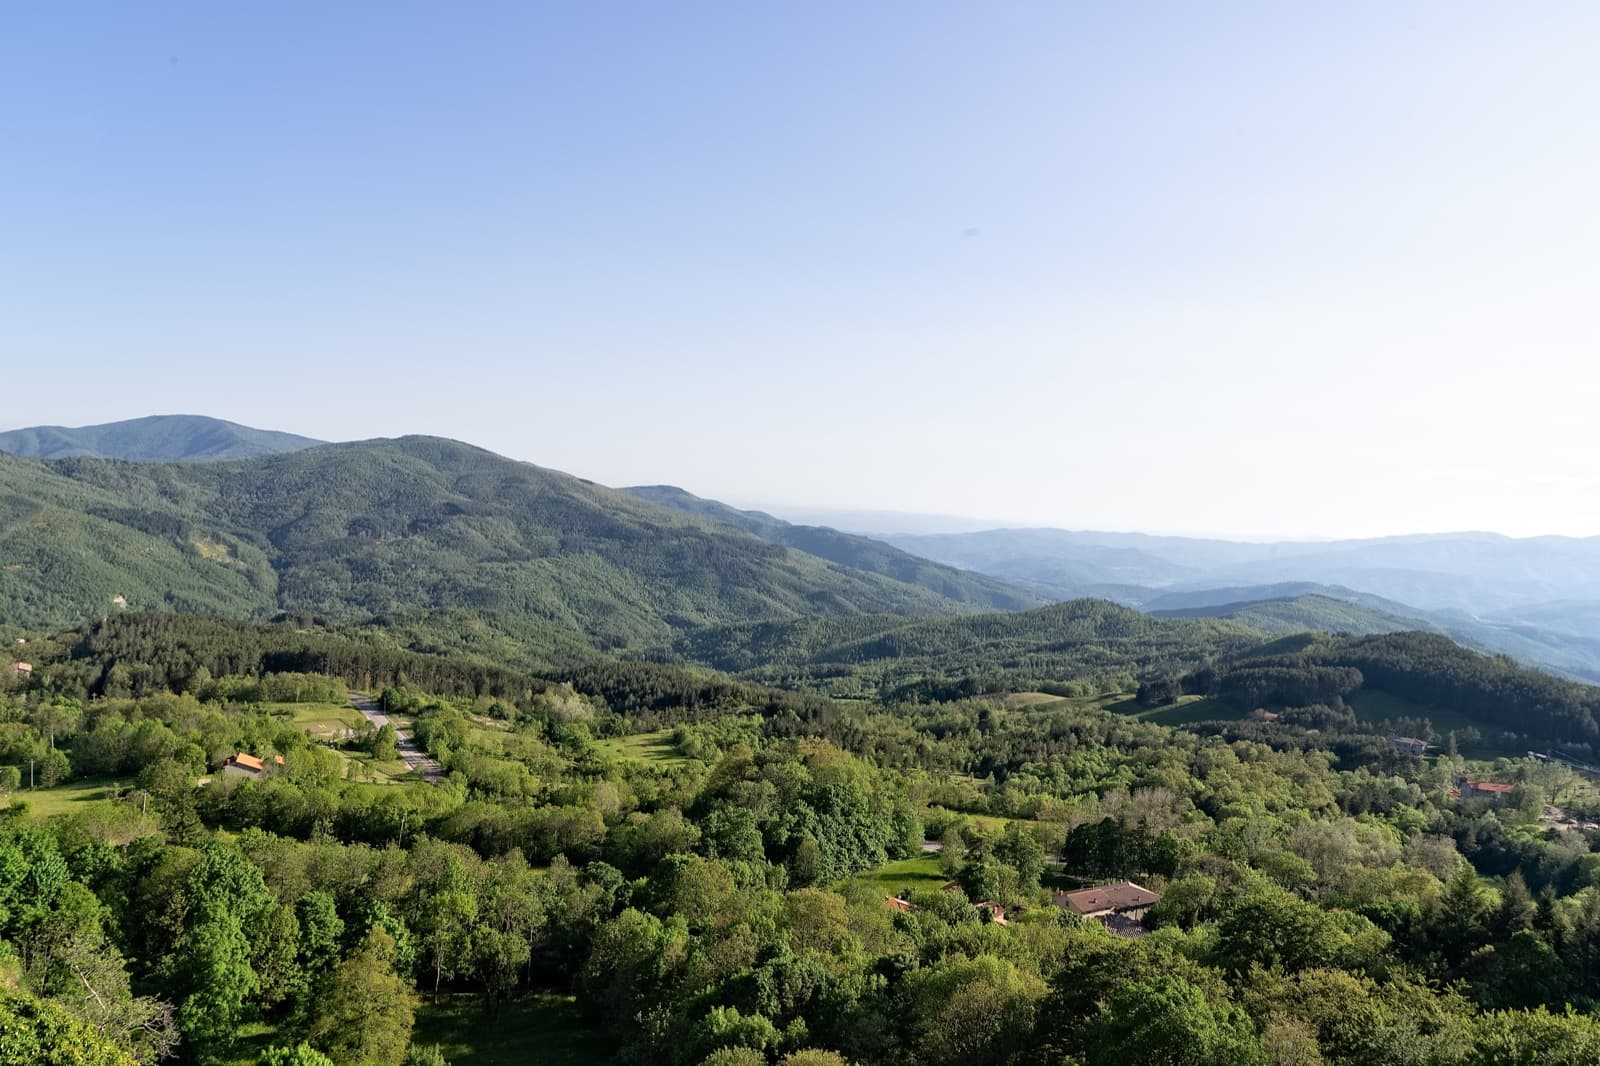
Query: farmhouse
(22, 669)
(1118, 906)
(901, 905)
(248, 765)
(1409, 745)
(1471, 789)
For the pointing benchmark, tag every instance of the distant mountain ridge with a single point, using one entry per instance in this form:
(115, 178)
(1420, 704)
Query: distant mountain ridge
(1537, 599)
(848, 549)
(157, 438)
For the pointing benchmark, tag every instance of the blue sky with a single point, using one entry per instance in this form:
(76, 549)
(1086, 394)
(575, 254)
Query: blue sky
(1272, 269)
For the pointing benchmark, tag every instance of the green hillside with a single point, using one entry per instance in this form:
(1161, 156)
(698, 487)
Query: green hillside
(159, 438)
(390, 528)
(856, 552)
(1300, 614)
(1078, 639)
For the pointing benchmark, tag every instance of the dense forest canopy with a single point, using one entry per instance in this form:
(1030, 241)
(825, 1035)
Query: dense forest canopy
(641, 860)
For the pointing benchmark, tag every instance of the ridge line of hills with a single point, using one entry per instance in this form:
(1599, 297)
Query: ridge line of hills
(423, 531)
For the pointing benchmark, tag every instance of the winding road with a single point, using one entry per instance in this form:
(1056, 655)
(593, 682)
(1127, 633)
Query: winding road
(419, 761)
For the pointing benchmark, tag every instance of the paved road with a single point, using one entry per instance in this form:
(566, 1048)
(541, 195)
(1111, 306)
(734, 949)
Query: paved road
(405, 747)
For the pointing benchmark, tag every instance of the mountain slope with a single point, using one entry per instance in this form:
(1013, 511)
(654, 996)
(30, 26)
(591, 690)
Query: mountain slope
(393, 527)
(847, 549)
(159, 438)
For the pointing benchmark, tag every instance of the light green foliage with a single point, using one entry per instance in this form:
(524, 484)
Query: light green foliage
(1166, 1021)
(299, 1055)
(40, 1033)
(368, 1012)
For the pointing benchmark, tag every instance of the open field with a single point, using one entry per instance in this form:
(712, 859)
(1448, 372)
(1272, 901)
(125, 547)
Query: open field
(1186, 711)
(654, 747)
(74, 797)
(541, 1028)
(1378, 708)
(921, 872)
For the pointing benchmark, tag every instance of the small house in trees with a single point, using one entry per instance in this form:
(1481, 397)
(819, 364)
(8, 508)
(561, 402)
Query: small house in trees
(902, 905)
(996, 912)
(22, 669)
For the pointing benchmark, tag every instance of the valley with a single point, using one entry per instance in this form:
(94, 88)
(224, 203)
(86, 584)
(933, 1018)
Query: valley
(501, 763)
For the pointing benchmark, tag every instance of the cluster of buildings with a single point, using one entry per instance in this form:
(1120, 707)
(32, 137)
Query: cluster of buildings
(1119, 906)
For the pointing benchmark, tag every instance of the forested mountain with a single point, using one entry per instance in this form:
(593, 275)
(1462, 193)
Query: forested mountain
(848, 549)
(158, 438)
(392, 528)
(1300, 614)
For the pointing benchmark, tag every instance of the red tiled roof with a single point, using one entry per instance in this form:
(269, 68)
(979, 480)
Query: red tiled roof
(1491, 786)
(899, 904)
(1119, 896)
(249, 762)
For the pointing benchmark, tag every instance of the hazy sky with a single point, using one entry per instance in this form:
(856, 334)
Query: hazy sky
(1268, 268)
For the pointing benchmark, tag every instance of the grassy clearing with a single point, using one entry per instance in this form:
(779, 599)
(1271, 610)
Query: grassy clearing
(362, 767)
(542, 1029)
(654, 747)
(1379, 708)
(74, 797)
(919, 873)
(1187, 710)
(255, 1039)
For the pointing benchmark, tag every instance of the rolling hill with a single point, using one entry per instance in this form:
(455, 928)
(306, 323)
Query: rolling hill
(158, 438)
(394, 527)
(847, 549)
